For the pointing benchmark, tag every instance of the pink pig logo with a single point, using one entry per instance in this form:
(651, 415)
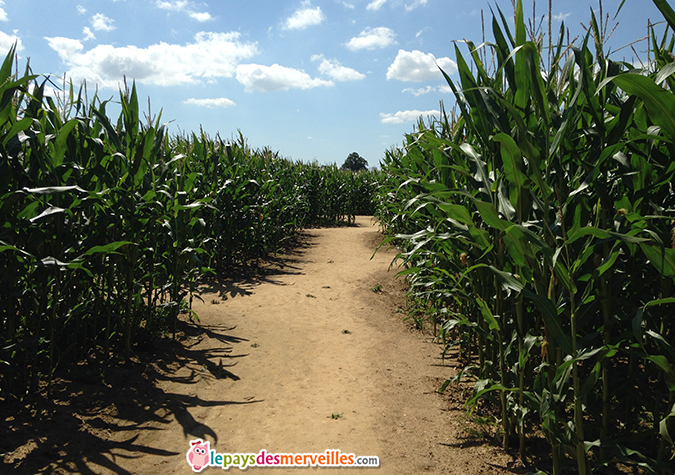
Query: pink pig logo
(198, 455)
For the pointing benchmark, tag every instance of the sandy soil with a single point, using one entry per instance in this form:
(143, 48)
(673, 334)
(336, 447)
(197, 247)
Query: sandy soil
(310, 355)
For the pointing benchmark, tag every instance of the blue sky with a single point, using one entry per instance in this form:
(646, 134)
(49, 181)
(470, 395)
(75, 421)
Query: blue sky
(312, 79)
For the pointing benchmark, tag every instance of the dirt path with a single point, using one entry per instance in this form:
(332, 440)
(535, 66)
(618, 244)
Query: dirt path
(310, 357)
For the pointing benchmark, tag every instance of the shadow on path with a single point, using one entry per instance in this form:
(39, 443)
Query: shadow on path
(239, 281)
(94, 406)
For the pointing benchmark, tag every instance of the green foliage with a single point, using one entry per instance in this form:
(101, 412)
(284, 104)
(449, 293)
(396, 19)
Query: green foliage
(107, 226)
(537, 227)
(355, 163)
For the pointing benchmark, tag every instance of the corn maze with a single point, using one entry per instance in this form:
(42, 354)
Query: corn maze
(536, 229)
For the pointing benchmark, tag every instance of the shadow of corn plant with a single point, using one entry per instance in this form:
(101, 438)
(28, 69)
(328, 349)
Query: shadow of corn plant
(81, 427)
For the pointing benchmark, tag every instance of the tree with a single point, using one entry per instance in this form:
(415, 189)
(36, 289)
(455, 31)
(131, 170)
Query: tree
(355, 163)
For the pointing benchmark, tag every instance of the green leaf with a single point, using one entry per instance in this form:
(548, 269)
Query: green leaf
(487, 315)
(659, 102)
(482, 174)
(663, 259)
(46, 213)
(551, 320)
(662, 362)
(660, 301)
(457, 212)
(521, 29)
(61, 142)
(50, 190)
(512, 159)
(590, 380)
(20, 126)
(108, 248)
(494, 387)
(538, 89)
(53, 262)
(665, 72)
(518, 246)
(6, 70)
(489, 214)
(603, 234)
(663, 426)
(666, 11)
(8, 247)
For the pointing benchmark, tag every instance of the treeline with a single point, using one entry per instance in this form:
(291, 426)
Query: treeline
(537, 229)
(107, 226)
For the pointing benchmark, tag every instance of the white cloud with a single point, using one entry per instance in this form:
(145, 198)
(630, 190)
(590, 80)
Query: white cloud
(81, 10)
(65, 47)
(402, 117)
(3, 13)
(88, 34)
(175, 5)
(561, 16)
(417, 66)
(100, 22)
(7, 41)
(333, 68)
(210, 103)
(209, 57)
(304, 17)
(419, 92)
(349, 5)
(375, 4)
(256, 77)
(426, 90)
(200, 17)
(372, 38)
(415, 4)
(183, 6)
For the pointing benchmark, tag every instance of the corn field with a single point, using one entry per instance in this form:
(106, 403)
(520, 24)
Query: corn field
(108, 226)
(536, 226)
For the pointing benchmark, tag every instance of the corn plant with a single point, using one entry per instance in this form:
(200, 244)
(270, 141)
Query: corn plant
(537, 227)
(108, 226)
